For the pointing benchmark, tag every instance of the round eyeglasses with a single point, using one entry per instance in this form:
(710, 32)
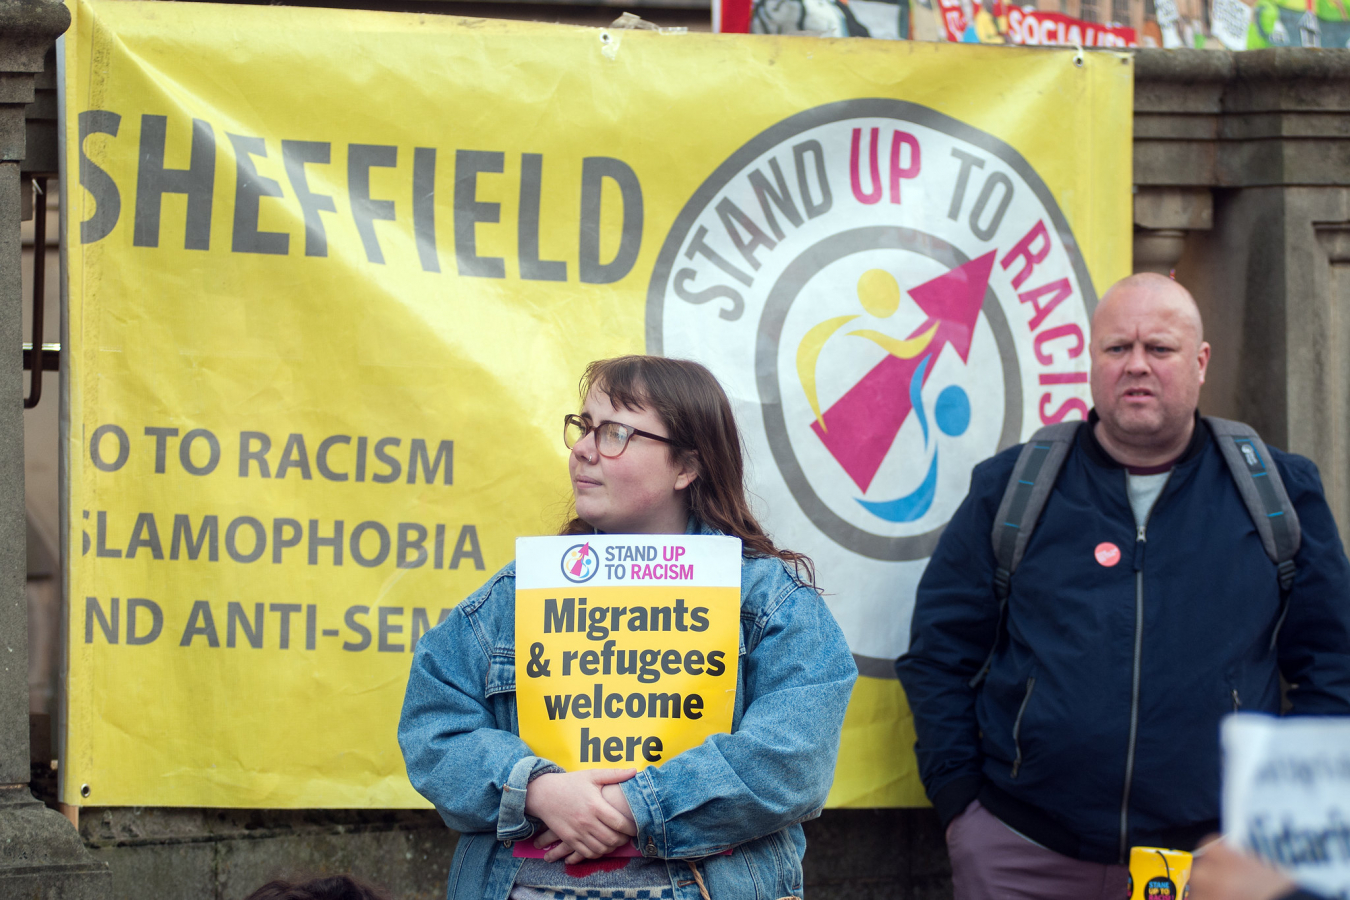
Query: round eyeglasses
(611, 438)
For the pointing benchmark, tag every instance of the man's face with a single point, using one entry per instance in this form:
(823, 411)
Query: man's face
(1147, 364)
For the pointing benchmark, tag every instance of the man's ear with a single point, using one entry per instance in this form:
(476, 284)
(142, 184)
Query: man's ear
(689, 470)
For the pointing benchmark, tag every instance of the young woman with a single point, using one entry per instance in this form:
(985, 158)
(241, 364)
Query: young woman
(654, 450)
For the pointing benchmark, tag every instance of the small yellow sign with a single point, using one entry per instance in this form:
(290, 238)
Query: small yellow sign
(1158, 874)
(626, 646)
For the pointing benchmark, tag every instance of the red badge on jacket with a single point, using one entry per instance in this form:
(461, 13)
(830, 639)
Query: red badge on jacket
(1107, 553)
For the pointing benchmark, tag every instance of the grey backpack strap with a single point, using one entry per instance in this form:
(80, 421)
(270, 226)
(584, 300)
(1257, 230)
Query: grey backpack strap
(1258, 481)
(1033, 477)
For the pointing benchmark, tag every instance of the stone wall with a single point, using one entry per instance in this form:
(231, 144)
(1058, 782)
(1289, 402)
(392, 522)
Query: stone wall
(226, 854)
(221, 854)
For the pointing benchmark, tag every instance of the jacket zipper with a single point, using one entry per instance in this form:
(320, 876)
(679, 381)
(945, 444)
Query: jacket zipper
(1017, 726)
(1140, 542)
(1237, 701)
(1134, 688)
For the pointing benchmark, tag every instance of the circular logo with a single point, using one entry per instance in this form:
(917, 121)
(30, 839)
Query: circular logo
(580, 563)
(889, 296)
(1160, 889)
(1107, 553)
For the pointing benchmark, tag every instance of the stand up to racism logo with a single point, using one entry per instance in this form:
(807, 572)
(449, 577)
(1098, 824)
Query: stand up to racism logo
(580, 563)
(889, 296)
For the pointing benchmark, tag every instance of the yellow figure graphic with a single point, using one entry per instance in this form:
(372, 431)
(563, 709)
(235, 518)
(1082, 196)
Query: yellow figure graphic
(880, 296)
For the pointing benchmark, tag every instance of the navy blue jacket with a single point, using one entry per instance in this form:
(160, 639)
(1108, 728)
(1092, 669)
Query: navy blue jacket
(1091, 734)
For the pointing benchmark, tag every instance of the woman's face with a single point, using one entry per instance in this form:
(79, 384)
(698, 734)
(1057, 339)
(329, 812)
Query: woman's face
(641, 491)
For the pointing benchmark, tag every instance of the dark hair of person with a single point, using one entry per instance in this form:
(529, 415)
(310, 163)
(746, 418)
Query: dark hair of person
(698, 418)
(336, 887)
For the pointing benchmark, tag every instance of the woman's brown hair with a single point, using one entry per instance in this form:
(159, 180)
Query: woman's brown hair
(698, 418)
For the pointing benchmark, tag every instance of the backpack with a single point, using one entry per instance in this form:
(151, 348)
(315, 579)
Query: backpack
(1033, 478)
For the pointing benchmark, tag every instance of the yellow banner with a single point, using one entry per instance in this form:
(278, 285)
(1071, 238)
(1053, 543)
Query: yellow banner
(333, 277)
(628, 646)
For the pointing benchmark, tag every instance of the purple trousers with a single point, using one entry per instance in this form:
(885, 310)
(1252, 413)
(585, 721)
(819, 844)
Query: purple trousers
(990, 861)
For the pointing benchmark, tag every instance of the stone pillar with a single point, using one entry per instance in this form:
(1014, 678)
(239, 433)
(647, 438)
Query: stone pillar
(1251, 149)
(41, 854)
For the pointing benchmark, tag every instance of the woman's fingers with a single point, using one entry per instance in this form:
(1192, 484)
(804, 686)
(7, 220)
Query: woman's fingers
(585, 848)
(613, 819)
(594, 851)
(558, 851)
(613, 795)
(624, 840)
(603, 839)
(576, 812)
(588, 847)
(610, 844)
(593, 839)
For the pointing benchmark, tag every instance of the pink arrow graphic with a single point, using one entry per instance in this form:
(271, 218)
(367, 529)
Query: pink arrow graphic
(861, 426)
(581, 559)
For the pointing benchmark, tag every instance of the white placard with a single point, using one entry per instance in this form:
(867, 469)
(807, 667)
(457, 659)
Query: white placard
(1286, 795)
(622, 560)
(1229, 22)
(1169, 22)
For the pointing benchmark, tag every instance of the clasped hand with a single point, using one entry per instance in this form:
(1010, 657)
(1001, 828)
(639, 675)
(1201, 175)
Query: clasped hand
(585, 812)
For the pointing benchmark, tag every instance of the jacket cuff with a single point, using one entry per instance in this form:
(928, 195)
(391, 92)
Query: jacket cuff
(645, 805)
(952, 798)
(512, 823)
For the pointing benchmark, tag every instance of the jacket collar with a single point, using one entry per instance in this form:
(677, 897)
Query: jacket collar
(698, 526)
(1088, 443)
(695, 525)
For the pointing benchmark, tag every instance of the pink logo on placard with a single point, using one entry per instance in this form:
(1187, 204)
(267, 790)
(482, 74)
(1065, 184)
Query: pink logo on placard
(580, 563)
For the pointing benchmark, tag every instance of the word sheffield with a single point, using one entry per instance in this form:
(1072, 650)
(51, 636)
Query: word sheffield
(474, 202)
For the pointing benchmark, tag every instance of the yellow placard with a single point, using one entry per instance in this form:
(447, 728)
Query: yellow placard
(629, 656)
(333, 276)
(649, 695)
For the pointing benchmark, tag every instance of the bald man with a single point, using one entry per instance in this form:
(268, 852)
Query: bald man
(1144, 609)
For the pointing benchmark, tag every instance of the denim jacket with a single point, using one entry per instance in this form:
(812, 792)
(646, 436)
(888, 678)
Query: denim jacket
(746, 791)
